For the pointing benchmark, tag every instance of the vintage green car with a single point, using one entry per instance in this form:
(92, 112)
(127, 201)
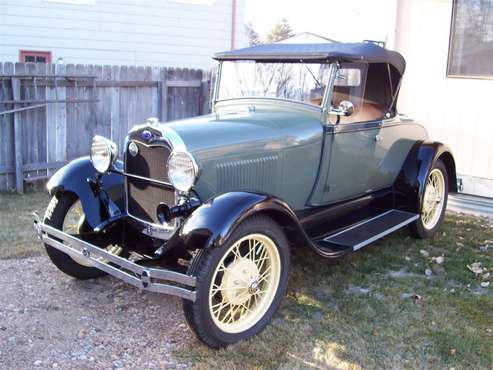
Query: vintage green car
(304, 149)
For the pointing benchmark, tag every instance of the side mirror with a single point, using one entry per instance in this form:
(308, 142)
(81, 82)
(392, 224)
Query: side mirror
(345, 108)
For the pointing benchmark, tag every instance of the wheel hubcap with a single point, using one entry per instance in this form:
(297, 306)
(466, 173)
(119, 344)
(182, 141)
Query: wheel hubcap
(244, 283)
(239, 278)
(433, 199)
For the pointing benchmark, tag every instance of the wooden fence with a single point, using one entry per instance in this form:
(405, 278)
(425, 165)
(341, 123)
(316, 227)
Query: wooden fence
(49, 113)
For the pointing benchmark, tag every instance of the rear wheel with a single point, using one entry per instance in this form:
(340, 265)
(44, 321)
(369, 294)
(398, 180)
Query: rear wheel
(240, 285)
(434, 203)
(65, 213)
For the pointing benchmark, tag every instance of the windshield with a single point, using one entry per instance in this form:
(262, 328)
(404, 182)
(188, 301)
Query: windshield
(291, 81)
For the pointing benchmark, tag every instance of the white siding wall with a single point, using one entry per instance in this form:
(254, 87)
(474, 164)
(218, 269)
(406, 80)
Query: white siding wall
(455, 111)
(130, 32)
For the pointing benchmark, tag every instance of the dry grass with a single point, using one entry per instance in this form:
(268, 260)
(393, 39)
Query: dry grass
(17, 237)
(359, 312)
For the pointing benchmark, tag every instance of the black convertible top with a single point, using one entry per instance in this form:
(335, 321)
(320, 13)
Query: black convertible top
(326, 52)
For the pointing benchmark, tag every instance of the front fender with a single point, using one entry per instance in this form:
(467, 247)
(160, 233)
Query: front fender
(411, 182)
(75, 177)
(212, 223)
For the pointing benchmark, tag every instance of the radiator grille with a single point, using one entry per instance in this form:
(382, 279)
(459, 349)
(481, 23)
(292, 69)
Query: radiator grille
(149, 162)
(143, 195)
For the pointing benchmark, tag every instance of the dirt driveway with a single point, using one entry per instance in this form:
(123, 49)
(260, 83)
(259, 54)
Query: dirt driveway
(48, 320)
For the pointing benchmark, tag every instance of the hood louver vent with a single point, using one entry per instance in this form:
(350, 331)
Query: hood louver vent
(257, 174)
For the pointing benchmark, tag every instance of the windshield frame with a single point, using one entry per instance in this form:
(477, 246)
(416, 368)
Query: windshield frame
(322, 107)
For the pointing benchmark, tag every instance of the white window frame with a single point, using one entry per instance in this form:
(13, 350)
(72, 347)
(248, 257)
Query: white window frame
(73, 2)
(194, 2)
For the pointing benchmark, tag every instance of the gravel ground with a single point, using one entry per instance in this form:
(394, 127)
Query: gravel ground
(49, 320)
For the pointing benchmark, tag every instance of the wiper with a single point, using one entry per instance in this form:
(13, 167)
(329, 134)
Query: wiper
(315, 78)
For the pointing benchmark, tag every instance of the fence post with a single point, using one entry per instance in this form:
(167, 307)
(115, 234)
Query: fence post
(19, 176)
(204, 105)
(162, 99)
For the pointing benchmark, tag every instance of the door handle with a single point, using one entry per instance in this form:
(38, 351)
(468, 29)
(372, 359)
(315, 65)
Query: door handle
(378, 138)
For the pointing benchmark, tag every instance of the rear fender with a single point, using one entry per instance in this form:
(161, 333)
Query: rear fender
(410, 184)
(98, 204)
(210, 225)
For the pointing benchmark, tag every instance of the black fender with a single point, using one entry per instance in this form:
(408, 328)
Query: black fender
(210, 225)
(410, 184)
(79, 177)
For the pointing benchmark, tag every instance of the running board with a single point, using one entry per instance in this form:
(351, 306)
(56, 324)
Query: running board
(366, 232)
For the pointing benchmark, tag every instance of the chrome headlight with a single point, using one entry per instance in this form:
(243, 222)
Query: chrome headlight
(103, 153)
(182, 170)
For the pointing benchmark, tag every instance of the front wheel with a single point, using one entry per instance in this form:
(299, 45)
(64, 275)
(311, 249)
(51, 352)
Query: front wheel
(65, 213)
(434, 203)
(240, 285)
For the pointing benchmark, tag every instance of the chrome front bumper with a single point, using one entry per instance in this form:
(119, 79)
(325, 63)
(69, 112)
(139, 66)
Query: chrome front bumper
(140, 276)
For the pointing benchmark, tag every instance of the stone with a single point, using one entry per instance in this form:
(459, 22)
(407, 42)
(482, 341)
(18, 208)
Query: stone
(439, 260)
(439, 270)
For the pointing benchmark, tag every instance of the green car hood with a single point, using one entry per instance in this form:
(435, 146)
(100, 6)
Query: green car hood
(269, 150)
(232, 131)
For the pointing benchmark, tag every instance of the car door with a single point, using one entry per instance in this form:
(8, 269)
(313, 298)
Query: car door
(362, 152)
(354, 161)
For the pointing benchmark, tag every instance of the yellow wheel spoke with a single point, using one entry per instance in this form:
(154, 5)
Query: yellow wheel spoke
(259, 292)
(251, 248)
(264, 276)
(260, 256)
(236, 252)
(221, 267)
(242, 302)
(433, 199)
(222, 305)
(262, 263)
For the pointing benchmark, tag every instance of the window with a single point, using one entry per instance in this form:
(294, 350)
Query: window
(349, 85)
(29, 56)
(471, 39)
(370, 87)
(289, 81)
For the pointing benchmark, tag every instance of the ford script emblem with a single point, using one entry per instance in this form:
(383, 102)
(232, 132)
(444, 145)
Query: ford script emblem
(147, 135)
(133, 149)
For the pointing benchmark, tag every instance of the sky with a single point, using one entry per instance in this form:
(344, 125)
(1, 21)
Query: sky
(347, 20)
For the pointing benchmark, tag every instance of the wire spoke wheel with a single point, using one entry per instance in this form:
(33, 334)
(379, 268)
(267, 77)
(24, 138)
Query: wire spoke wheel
(434, 199)
(74, 223)
(244, 283)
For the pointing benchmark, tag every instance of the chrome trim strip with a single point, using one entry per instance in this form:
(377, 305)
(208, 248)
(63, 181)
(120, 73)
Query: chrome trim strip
(121, 268)
(329, 91)
(215, 91)
(358, 225)
(174, 139)
(375, 237)
(168, 133)
(154, 230)
(384, 233)
(124, 173)
(148, 228)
